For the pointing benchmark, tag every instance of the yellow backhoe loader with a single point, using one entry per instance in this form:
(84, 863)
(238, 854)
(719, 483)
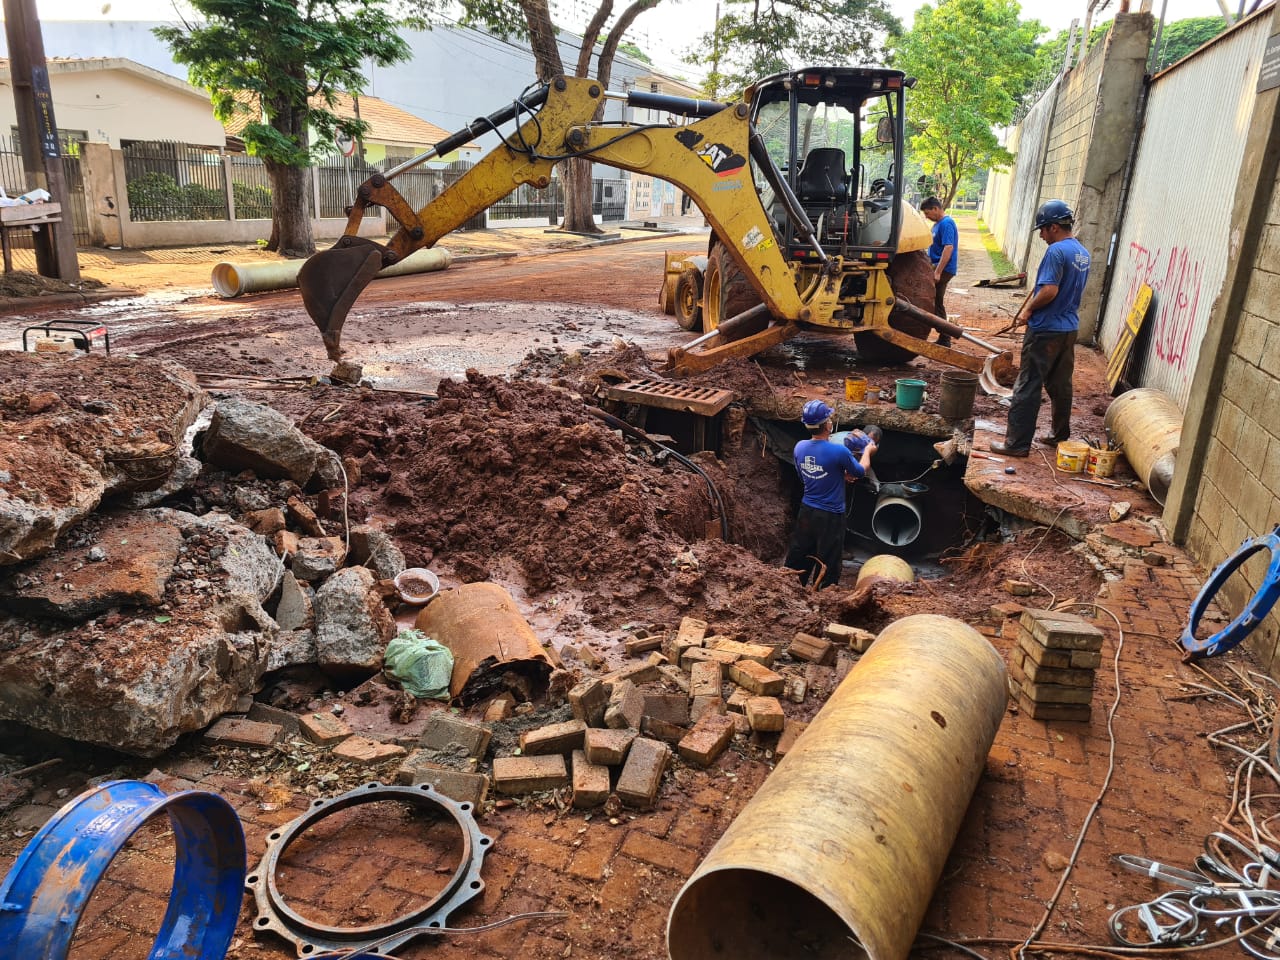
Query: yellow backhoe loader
(800, 182)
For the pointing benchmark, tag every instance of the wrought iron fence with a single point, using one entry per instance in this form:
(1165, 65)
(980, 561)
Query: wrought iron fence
(250, 188)
(527, 202)
(609, 198)
(13, 178)
(168, 180)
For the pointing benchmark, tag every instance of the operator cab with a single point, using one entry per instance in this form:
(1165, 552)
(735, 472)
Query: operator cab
(836, 134)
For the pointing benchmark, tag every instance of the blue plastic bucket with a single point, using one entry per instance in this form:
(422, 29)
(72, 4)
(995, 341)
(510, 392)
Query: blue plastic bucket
(910, 394)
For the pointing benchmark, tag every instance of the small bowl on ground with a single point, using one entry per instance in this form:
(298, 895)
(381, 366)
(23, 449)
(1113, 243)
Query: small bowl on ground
(417, 585)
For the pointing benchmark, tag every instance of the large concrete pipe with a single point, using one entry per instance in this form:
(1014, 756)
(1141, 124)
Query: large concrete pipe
(1148, 425)
(842, 846)
(885, 566)
(232, 279)
(896, 521)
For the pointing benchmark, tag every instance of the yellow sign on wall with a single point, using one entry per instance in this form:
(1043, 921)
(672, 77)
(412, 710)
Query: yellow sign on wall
(1119, 358)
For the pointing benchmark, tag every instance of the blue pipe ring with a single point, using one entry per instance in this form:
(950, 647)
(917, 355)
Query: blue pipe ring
(1254, 611)
(49, 885)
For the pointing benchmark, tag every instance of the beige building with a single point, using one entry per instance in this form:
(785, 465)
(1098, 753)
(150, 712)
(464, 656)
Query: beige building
(649, 196)
(109, 99)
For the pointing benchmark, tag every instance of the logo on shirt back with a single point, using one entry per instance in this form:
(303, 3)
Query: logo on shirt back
(1081, 261)
(812, 468)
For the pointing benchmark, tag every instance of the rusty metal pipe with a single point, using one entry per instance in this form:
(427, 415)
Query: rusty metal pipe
(843, 844)
(1148, 424)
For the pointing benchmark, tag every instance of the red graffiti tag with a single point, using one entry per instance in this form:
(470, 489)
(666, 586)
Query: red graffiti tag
(1176, 294)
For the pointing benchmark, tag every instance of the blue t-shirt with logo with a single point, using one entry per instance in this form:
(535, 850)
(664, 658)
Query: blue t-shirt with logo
(1066, 266)
(822, 466)
(945, 233)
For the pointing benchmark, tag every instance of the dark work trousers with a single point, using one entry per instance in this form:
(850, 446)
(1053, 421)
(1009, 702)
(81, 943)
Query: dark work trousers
(939, 305)
(818, 534)
(1048, 360)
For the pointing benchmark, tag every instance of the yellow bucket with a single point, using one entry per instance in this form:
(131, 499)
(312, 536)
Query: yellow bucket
(1071, 456)
(1101, 463)
(855, 389)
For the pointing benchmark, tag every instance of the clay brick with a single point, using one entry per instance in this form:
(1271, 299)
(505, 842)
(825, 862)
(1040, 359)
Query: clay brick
(641, 776)
(705, 705)
(457, 785)
(1086, 659)
(844, 664)
(635, 673)
(740, 724)
(795, 688)
(1054, 711)
(707, 740)
(813, 649)
(1037, 652)
(759, 652)
(323, 728)
(756, 679)
(1061, 631)
(1057, 693)
(698, 654)
(444, 730)
(1037, 673)
(765, 714)
(626, 706)
(364, 750)
(1002, 611)
(587, 701)
(791, 730)
(499, 708)
(638, 645)
(669, 707)
(673, 675)
(286, 721)
(517, 775)
(590, 782)
(608, 747)
(238, 732)
(692, 631)
(855, 638)
(706, 679)
(662, 730)
(737, 702)
(554, 738)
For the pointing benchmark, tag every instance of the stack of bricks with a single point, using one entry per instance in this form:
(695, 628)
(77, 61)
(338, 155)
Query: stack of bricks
(1052, 665)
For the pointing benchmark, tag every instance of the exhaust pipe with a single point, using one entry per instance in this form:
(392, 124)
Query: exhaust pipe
(842, 846)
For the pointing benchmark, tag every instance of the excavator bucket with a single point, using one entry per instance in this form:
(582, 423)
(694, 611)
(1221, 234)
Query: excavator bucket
(330, 282)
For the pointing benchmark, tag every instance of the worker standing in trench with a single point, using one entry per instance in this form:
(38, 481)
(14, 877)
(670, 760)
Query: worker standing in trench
(817, 543)
(1049, 346)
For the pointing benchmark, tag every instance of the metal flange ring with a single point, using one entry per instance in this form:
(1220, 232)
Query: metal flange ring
(1253, 613)
(50, 883)
(311, 939)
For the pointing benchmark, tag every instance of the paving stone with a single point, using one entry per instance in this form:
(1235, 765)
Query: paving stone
(641, 776)
(668, 707)
(324, 728)
(765, 714)
(1057, 693)
(756, 679)
(457, 785)
(704, 705)
(707, 740)
(1033, 648)
(1054, 711)
(364, 750)
(759, 652)
(518, 775)
(284, 719)
(239, 732)
(791, 730)
(1038, 673)
(553, 738)
(795, 689)
(1057, 630)
(698, 654)
(590, 782)
(706, 679)
(444, 730)
(662, 730)
(633, 673)
(674, 676)
(499, 708)
(737, 702)
(608, 747)
(855, 638)
(626, 706)
(692, 631)
(588, 700)
(638, 645)
(805, 646)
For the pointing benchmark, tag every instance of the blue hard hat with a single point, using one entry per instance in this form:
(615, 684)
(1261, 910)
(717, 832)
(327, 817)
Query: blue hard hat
(1053, 211)
(814, 413)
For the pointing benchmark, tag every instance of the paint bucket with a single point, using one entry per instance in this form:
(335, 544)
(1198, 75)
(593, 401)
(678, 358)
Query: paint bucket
(855, 388)
(910, 394)
(873, 396)
(1101, 463)
(1071, 456)
(955, 399)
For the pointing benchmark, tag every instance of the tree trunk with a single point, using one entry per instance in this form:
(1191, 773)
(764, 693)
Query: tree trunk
(577, 197)
(291, 234)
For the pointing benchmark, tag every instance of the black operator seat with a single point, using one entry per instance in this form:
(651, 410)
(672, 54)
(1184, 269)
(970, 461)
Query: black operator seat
(824, 177)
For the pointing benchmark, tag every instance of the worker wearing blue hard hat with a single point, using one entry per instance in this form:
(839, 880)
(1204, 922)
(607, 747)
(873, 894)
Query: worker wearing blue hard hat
(817, 542)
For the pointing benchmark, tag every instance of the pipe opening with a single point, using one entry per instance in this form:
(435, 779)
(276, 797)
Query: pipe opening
(757, 916)
(896, 521)
(226, 280)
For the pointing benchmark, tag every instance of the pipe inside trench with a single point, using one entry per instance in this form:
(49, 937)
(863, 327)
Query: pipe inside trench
(842, 846)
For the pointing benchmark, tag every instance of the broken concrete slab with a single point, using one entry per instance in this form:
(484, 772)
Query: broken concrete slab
(353, 625)
(248, 436)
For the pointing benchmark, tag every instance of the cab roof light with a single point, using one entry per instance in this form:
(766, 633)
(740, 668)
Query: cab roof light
(895, 83)
(812, 80)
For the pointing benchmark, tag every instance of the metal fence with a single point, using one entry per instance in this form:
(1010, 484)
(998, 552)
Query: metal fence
(250, 188)
(167, 180)
(527, 202)
(13, 178)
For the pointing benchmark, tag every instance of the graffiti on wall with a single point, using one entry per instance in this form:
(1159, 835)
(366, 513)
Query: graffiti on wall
(1175, 279)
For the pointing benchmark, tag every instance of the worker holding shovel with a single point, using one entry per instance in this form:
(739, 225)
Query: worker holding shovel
(1048, 348)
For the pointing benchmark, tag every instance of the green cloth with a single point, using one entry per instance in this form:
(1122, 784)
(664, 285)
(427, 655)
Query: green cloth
(422, 665)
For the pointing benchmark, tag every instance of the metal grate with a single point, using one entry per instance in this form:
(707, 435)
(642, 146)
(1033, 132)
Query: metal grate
(672, 396)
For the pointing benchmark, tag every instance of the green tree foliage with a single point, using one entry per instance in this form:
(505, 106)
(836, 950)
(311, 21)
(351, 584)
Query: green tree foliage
(753, 40)
(1181, 38)
(972, 59)
(291, 57)
(1051, 55)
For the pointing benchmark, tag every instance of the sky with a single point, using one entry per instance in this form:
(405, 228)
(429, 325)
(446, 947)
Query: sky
(674, 24)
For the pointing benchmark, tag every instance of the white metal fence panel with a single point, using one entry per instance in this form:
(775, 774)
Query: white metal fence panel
(1178, 214)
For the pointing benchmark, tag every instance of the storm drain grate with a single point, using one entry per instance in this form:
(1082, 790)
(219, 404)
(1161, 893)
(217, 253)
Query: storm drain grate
(672, 396)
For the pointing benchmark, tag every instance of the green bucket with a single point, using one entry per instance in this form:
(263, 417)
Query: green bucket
(910, 394)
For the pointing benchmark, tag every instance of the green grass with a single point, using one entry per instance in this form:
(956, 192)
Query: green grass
(999, 262)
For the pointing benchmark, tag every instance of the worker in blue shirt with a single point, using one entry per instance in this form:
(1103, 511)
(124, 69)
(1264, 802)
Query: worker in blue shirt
(943, 254)
(817, 542)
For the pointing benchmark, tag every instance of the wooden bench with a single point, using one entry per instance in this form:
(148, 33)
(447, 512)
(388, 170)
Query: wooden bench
(25, 215)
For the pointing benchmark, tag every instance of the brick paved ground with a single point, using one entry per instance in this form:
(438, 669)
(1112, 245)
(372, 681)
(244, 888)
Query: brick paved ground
(618, 879)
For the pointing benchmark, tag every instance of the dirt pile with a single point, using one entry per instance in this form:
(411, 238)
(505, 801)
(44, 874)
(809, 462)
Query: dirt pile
(19, 284)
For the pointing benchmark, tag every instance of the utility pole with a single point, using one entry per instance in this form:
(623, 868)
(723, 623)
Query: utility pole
(41, 152)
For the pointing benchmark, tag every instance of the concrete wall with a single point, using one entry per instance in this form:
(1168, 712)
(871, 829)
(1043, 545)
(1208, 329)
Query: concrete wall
(109, 103)
(1226, 486)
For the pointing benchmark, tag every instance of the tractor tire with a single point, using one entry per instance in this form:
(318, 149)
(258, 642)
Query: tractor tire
(910, 276)
(688, 304)
(667, 296)
(727, 292)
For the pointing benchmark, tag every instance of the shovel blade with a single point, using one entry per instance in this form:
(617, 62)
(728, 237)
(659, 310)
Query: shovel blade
(331, 281)
(998, 374)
